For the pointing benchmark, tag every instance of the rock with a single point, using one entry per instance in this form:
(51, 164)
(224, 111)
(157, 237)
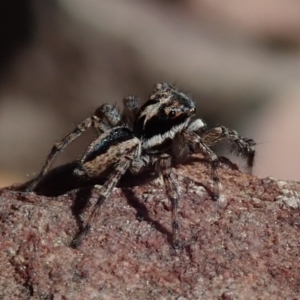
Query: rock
(246, 246)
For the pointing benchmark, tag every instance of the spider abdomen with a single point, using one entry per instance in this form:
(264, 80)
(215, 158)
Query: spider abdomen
(104, 153)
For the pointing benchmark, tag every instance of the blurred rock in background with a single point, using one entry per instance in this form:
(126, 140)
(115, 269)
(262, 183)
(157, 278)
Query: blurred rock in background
(60, 59)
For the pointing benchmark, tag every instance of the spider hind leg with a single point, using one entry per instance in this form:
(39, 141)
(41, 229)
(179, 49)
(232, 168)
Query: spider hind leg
(104, 118)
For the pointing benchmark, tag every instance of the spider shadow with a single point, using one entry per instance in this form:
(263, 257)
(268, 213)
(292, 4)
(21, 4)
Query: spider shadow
(84, 194)
(81, 201)
(142, 213)
(53, 186)
(61, 180)
(222, 160)
(82, 190)
(56, 182)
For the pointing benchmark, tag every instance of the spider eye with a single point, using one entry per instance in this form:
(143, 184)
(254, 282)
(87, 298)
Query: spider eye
(172, 113)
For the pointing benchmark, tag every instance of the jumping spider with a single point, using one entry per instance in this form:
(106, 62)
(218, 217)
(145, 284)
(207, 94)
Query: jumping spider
(154, 136)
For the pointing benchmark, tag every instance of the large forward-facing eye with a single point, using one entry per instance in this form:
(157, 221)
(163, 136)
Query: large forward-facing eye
(172, 113)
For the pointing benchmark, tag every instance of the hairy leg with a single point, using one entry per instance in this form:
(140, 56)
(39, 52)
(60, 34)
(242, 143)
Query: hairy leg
(104, 118)
(164, 168)
(104, 191)
(60, 146)
(241, 146)
(188, 142)
(131, 107)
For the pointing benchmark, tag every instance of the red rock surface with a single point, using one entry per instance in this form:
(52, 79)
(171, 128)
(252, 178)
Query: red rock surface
(245, 247)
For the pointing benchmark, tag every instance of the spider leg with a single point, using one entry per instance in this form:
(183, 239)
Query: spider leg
(109, 116)
(60, 146)
(163, 166)
(190, 142)
(131, 107)
(112, 154)
(105, 190)
(241, 146)
(102, 120)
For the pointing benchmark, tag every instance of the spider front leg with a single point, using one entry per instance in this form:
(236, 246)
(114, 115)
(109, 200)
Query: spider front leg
(188, 142)
(243, 147)
(163, 166)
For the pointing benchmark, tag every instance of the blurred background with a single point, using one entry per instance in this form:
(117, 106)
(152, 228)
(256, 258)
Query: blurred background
(60, 59)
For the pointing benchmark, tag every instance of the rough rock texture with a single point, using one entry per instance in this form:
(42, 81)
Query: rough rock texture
(245, 247)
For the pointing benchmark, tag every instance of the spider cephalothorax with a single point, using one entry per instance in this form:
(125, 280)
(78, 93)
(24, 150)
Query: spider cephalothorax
(166, 113)
(156, 135)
